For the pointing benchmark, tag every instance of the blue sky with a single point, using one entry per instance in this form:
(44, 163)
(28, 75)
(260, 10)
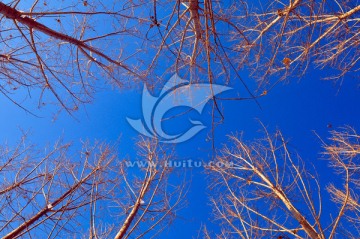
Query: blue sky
(299, 108)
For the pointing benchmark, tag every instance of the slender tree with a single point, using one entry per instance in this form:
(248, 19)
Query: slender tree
(215, 40)
(269, 192)
(155, 197)
(63, 48)
(52, 194)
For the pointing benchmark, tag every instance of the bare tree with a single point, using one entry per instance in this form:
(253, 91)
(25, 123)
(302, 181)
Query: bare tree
(155, 195)
(63, 48)
(44, 193)
(280, 38)
(194, 40)
(288, 37)
(52, 194)
(269, 192)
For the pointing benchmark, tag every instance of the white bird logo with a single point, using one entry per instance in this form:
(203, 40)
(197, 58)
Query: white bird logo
(176, 92)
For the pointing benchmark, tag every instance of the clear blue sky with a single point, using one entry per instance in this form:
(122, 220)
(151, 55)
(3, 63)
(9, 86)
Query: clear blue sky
(297, 108)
